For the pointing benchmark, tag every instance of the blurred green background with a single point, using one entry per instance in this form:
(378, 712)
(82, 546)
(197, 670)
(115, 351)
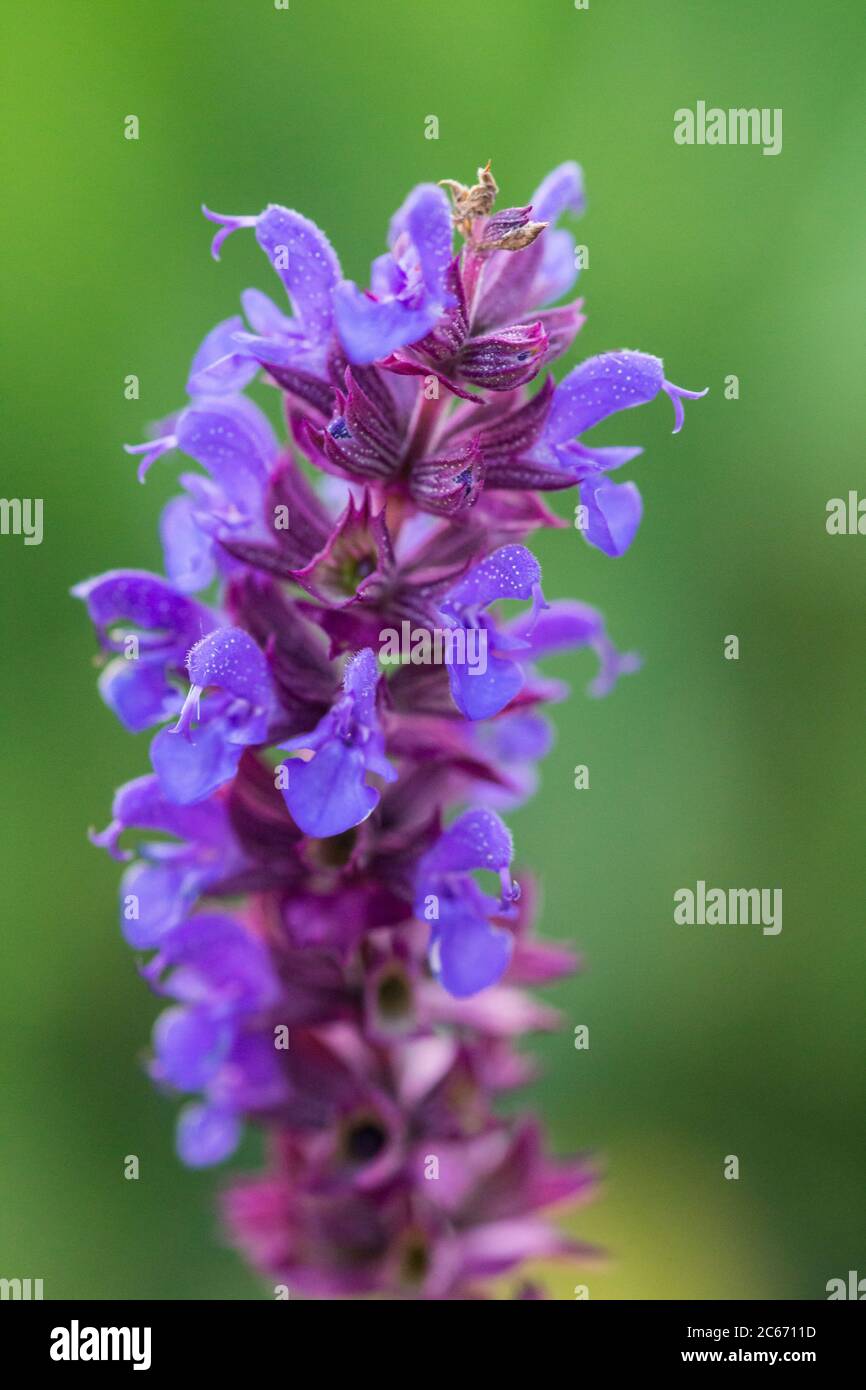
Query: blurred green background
(704, 1041)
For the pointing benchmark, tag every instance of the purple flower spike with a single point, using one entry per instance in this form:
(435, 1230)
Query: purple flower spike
(315, 870)
(329, 794)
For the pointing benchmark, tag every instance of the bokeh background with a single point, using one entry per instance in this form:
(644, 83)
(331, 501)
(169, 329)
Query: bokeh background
(704, 1041)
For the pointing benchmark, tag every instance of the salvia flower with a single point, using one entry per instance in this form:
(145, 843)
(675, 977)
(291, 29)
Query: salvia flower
(317, 877)
(329, 793)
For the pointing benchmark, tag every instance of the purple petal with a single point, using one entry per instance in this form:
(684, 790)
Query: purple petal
(521, 737)
(562, 191)
(206, 1135)
(217, 366)
(557, 273)
(387, 278)
(510, 572)
(188, 551)
(360, 680)
(290, 350)
(252, 1077)
(568, 624)
(614, 511)
(220, 963)
(190, 768)
(599, 387)
(313, 270)
(612, 665)
(141, 600)
(481, 694)
(564, 625)
(138, 693)
(162, 894)
(426, 217)
(469, 955)
(230, 659)
(263, 315)
(477, 840)
(606, 459)
(142, 803)
(150, 451)
(490, 1250)
(189, 1047)
(371, 329)
(233, 440)
(329, 794)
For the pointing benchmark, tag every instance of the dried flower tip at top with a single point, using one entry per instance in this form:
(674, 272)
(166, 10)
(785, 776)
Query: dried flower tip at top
(470, 203)
(511, 236)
